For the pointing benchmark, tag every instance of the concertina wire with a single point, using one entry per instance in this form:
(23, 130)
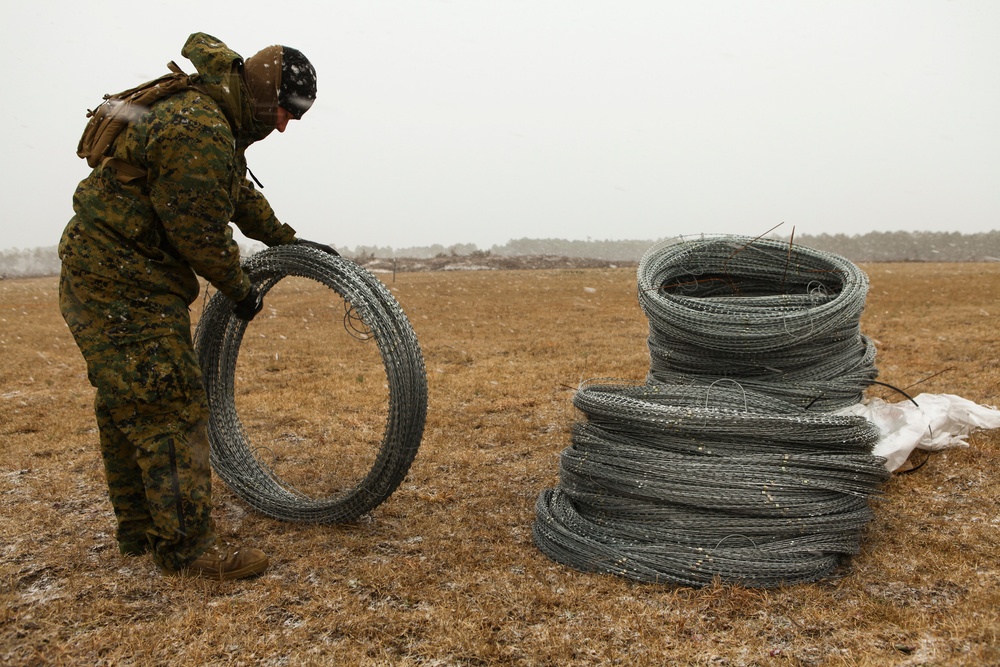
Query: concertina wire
(239, 462)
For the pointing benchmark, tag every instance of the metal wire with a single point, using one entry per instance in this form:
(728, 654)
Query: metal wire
(780, 319)
(718, 420)
(683, 484)
(371, 312)
(726, 463)
(568, 536)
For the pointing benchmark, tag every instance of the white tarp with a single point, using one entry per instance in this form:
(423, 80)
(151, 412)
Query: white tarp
(937, 421)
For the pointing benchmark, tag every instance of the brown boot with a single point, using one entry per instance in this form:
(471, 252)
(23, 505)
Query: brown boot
(223, 562)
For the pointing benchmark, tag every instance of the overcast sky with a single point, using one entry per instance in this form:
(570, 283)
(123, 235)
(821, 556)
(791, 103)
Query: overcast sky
(481, 121)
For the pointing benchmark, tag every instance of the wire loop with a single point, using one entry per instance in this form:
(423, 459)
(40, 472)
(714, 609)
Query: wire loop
(371, 311)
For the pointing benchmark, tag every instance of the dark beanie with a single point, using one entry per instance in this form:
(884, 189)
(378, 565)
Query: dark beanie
(298, 82)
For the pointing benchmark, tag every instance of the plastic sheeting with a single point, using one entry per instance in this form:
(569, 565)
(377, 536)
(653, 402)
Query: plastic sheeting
(936, 422)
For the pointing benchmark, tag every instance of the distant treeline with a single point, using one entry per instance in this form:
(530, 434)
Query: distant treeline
(870, 247)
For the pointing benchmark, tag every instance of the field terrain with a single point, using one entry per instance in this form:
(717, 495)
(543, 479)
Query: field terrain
(445, 571)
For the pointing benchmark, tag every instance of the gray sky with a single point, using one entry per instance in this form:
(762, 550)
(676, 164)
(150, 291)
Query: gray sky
(479, 121)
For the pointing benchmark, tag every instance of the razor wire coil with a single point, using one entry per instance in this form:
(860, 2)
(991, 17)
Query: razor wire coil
(370, 311)
(780, 319)
(567, 536)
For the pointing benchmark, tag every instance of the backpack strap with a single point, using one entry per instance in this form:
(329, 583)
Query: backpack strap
(113, 115)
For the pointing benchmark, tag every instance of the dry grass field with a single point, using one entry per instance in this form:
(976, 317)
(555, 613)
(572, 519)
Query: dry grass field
(445, 571)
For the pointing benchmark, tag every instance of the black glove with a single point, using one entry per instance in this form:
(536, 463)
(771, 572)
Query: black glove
(249, 305)
(319, 246)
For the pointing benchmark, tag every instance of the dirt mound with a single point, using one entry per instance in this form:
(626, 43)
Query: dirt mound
(485, 262)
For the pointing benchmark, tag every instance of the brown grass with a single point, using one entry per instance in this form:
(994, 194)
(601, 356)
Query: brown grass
(444, 572)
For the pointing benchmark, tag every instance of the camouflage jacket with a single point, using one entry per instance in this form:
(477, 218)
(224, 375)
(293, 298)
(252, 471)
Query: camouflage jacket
(156, 234)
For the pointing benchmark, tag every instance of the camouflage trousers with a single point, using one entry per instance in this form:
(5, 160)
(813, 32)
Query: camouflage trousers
(151, 411)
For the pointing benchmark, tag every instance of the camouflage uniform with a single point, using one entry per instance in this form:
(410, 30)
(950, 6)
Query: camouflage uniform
(130, 256)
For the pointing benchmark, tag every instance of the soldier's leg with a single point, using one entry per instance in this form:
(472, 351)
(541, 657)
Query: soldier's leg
(87, 303)
(141, 360)
(125, 484)
(165, 416)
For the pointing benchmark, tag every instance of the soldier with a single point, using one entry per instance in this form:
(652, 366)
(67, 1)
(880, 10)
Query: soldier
(146, 222)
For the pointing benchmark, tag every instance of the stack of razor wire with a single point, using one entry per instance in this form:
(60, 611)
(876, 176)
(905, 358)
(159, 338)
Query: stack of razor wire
(699, 475)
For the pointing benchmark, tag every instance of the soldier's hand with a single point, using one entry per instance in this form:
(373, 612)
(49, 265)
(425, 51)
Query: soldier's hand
(247, 307)
(319, 246)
